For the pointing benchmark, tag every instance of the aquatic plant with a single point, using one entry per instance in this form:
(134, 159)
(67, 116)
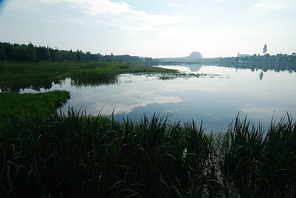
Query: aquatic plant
(260, 163)
(45, 103)
(75, 154)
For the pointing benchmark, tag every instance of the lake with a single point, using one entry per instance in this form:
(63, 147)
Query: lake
(215, 98)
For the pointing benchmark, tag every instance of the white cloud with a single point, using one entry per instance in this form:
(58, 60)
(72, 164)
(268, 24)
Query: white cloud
(98, 13)
(176, 5)
(275, 5)
(121, 15)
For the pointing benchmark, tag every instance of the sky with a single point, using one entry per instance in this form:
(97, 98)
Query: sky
(153, 28)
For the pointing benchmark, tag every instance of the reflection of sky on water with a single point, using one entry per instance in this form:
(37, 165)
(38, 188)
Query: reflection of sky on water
(215, 100)
(133, 91)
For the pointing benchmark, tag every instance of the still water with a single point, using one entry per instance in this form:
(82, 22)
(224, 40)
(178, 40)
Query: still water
(215, 98)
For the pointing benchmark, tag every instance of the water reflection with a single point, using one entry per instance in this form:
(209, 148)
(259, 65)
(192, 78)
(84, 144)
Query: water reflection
(214, 98)
(261, 75)
(37, 86)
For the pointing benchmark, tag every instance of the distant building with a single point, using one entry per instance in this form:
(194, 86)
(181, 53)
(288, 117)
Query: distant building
(242, 55)
(195, 55)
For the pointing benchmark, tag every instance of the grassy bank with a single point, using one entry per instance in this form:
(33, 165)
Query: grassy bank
(78, 155)
(43, 103)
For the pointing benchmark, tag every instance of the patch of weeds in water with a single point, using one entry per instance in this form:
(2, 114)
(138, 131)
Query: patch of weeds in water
(166, 77)
(16, 76)
(15, 103)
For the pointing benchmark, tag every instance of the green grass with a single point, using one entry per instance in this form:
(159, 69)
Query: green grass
(45, 103)
(79, 155)
(106, 73)
(23, 75)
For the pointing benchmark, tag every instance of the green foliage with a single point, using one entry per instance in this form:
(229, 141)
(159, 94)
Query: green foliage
(259, 164)
(3, 55)
(26, 74)
(30, 53)
(45, 103)
(79, 155)
(14, 76)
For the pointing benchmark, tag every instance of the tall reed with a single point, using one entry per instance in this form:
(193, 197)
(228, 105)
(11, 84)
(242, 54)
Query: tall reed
(74, 154)
(259, 163)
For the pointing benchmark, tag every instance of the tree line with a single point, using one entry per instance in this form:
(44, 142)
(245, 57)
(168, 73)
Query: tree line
(31, 53)
(257, 58)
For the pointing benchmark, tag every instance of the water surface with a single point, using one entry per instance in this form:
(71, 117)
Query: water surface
(215, 98)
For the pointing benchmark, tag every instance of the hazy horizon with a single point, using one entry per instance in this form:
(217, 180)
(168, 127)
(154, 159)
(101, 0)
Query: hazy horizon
(155, 29)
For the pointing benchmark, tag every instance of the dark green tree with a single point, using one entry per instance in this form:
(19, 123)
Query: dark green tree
(71, 56)
(2, 52)
(31, 52)
(42, 54)
(10, 51)
(78, 55)
(21, 53)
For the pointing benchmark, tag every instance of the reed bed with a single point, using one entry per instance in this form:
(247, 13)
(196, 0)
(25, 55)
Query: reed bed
(23, 75)
(79, 155)
(43, 103)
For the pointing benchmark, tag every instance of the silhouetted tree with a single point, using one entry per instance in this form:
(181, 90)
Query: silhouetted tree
(31, 52)
(78, 55)
(42, 54)
(10, 52)
(264, 49)
(2, 52)
(21, 53)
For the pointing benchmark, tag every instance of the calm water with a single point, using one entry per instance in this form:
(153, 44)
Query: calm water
(214, 99)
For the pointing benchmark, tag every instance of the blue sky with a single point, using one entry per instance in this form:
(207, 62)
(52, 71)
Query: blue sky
(154, 28)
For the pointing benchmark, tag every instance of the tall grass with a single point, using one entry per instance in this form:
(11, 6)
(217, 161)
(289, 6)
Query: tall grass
(262, 164)
(80, 155)
(44, 103)
(22, 73)
(14, 76)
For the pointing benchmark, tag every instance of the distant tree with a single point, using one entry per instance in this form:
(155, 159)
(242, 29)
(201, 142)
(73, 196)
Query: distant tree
(42, 53)
(52, 54)
(10, 52)
(31, 52)
(71, 56)
(78, 55)
(2, 52)
(21, 53)
(264, 49)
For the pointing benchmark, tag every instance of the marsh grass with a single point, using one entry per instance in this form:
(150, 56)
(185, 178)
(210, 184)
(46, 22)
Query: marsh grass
(24, 73)
(14, 76)
(261, 163)
(74, 154)
(107, 73)
(45, 103)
